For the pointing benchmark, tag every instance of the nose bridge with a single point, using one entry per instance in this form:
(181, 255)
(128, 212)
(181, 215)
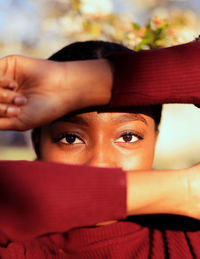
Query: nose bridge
(101, 154)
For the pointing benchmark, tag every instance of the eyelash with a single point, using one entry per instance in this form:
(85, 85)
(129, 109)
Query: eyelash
(133, 134)
(64, 135)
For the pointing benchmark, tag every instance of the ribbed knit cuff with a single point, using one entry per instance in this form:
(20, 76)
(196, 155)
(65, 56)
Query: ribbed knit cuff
(167, 75)
(42, 197)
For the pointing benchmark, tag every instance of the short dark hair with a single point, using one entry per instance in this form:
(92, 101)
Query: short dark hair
(84, 51)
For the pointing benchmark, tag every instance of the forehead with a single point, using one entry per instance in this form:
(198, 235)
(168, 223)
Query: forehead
(141, 114)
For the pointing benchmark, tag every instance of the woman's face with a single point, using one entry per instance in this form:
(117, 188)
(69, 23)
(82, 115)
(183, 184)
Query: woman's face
(102, 139)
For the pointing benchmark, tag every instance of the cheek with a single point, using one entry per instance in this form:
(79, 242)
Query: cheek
(139, 159)
(57, 153)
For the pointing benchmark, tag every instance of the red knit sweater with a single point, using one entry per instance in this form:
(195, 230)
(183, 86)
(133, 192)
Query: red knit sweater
(49, 210)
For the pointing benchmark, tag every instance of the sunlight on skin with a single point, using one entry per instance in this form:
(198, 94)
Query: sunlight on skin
(101, 139)
(105, 139)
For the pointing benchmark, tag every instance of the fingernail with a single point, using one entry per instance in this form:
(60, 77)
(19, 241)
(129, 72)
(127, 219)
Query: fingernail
(12, 111)
(13, 84)
(20, 100)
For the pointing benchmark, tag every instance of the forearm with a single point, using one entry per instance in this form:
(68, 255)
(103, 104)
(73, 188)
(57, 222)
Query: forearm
(90, 82)
(151, 192)
(168, 75)
(53, 88)
(39, 197)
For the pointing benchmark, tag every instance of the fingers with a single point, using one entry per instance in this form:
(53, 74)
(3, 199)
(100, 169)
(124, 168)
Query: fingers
(7, 93)
(11, 97)
(7, 82)
(10, 124)
(10, 102)
(9, 110)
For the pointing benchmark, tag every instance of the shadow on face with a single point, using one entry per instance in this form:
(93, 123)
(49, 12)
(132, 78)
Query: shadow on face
(103, 138)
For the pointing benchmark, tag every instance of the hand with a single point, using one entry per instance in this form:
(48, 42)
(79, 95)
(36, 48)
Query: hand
(33, 79)
(164, 191)
(50, 89)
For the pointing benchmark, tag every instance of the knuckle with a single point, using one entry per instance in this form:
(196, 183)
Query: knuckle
(3, 109)
(4, 95)
(2, 78)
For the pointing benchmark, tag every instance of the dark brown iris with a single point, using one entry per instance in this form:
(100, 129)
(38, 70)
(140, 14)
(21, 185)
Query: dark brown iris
(70, 138)
(127, 137)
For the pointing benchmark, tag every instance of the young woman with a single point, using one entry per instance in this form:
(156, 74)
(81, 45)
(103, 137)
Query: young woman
(47, 198)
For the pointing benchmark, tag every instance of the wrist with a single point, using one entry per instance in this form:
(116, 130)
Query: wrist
(157, 192)
(87, 83)
(193, 192)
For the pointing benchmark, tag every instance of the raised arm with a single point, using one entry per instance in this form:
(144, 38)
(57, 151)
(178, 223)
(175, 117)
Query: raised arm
(50, 89)
(164, 191)
(168, 75)
(43, 196)
(39, 198)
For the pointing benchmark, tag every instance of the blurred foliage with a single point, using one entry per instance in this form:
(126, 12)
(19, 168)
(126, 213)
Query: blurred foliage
(153, 35)
(64, 21)
(176, 27)
(56, 23)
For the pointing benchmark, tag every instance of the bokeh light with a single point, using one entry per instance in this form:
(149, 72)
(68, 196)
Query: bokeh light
(40, 27)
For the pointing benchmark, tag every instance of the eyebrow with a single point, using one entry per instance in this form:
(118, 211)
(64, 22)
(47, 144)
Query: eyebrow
(130, 117)
(76, 119)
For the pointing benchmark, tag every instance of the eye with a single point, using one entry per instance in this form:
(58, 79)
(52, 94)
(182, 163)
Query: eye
(128, 137)
(69, 139)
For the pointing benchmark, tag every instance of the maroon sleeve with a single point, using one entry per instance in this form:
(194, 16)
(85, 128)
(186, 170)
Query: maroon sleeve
(167, 75)
(40, 197)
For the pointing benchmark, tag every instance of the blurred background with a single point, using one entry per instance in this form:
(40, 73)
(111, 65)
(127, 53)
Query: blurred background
(38, 28)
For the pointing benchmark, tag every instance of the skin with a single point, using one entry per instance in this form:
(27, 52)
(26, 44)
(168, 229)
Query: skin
(28, 85)
(102, 139)
(37, 82)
